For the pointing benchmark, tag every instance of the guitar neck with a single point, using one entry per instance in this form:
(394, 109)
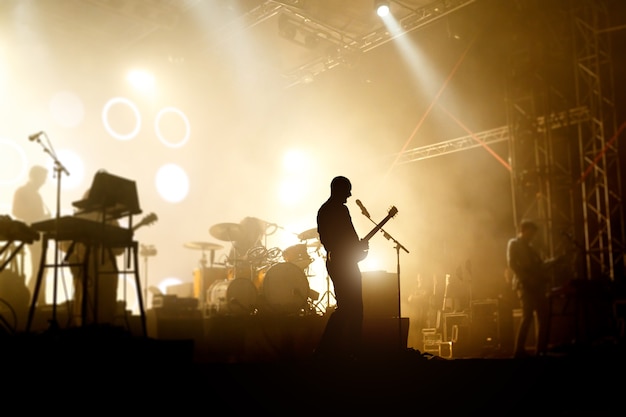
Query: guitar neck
(145, 221)
(376, 228)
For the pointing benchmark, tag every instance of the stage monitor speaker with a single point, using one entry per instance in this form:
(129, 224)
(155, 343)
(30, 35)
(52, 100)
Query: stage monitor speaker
(385, 334)
(184, 290)
(485, 324)
(380, 294)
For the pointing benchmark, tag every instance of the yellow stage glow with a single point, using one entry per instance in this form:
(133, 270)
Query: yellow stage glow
(74, 165)
(14, 167)
(371, 263)
(127, 291)
(295, 166)
(4, 67)
(167, 282)
(67, 109)
(295, 161)
(291, 191)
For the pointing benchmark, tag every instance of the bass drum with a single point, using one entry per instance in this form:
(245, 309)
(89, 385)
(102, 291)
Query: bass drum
(235, 297)
(284, 289)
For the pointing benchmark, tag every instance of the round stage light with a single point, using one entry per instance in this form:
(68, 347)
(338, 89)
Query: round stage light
(107, 124)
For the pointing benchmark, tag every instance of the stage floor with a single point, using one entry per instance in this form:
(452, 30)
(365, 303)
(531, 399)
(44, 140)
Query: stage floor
(265, 364)
(112, 370)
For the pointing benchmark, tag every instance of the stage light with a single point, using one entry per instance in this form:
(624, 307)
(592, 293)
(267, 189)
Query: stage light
(141, 80)
(172, 183)
(105, 118)
(164, 133)
(381, 7)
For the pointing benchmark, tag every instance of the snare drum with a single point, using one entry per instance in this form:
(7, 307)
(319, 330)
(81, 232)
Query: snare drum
(203, 278)
(284, 289)
(235, 297)
(297, 255)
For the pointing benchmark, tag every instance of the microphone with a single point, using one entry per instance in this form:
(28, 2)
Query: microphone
(362, 207)
(35, 136)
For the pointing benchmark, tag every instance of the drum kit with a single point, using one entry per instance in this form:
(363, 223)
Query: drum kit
(262, 281)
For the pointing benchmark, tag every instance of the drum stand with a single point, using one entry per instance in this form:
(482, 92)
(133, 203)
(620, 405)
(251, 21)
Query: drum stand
(203, 269)
(327, 294)
(146, 252)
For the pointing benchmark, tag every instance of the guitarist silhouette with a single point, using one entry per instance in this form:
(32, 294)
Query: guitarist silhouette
(341, 339)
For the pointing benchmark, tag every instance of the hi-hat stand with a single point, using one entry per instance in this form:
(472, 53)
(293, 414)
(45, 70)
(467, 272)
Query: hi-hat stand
(146, 252)
(327, 295)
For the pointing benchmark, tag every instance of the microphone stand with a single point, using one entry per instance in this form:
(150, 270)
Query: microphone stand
(397, 247)
(146, 252)
(59, 169)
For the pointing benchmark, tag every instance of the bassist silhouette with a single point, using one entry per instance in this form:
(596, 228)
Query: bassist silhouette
(341, 339)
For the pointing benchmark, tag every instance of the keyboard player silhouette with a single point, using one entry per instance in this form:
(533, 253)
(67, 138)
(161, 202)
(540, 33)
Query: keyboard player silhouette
(91, 240)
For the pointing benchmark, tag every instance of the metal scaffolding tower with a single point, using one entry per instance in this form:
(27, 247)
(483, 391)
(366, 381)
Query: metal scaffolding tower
(600, 177)
(562, 132)
(543, 156)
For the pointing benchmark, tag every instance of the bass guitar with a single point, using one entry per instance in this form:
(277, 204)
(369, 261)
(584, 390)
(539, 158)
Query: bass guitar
(391, 213)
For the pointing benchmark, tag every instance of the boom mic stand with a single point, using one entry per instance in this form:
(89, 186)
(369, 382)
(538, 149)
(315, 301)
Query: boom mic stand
(397, 247)
(59, 169)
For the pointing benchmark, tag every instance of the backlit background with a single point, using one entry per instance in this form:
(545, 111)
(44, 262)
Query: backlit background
(201, 115)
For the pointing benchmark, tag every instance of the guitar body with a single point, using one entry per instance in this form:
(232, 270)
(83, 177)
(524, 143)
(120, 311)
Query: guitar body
(361, 255)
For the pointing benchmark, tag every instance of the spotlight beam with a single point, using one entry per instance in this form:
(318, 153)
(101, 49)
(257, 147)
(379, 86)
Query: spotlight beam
(432, 103)
(414, 20)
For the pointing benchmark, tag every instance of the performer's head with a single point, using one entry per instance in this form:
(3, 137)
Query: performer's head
(37, 175)
(340, 187)
(251, 233)
(528, 229)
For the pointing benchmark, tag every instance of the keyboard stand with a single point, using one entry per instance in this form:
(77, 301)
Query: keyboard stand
(132, 267)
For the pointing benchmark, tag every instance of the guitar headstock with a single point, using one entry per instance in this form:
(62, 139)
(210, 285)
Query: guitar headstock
(392, 212)
(148, 220)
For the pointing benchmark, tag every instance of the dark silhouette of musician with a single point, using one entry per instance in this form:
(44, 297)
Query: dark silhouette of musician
(249, 236)
(420, 304)
(252, 231)
(28, 206)
(342, 335)
(529, 280)
(101, 276)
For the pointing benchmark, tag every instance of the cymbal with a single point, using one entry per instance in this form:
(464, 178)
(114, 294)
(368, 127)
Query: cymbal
(226, 231)
(309, 234)
(203, 245)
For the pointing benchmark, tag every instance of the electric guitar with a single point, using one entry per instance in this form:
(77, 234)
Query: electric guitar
(390, 215)
(146, 221)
